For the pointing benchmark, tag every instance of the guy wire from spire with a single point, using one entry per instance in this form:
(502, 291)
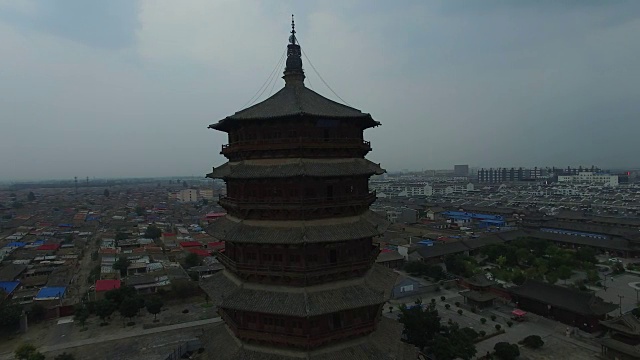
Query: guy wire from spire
(265, 82)
(273, 80)
(317, 73)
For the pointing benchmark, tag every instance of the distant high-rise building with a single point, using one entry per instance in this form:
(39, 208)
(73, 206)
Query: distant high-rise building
(461, 170)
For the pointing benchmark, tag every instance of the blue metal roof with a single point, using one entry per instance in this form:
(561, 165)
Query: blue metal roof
(15, 244)
(9, 286)
(467, 215)
(51, 292)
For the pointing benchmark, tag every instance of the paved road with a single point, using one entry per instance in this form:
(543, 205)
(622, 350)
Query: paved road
(124, 335)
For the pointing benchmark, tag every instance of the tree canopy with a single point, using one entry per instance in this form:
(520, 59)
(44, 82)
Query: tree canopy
(106, 193)
(506, 351)
(152, 232)
(421, 323)
(154, 306)
(122, 264)
(104, 309)
(129, 307)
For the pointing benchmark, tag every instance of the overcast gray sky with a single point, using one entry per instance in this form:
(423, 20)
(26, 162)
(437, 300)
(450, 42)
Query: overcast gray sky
(125, 88)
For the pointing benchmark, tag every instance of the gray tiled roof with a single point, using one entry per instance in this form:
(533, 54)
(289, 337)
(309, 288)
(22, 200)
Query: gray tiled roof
(374, 288)
(576, 301)
(295, 101)
(278, 168)
(383, 344)
(296, 232)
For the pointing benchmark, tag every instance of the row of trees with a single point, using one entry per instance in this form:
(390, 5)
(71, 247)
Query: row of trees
(125, 300)
(29, 352)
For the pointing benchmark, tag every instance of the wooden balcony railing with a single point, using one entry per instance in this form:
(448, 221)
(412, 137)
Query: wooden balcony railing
(296, 143)
(298, 271)
(298, 203)
(306, 341)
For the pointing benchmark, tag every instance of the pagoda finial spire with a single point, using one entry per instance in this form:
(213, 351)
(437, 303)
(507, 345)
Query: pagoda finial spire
(292, 38)
(293, 73)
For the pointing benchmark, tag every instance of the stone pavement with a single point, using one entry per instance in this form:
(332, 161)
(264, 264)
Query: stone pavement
(123, 335)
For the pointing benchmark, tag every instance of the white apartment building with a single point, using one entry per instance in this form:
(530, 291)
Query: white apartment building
(587, 177)
(422, 189)
(187, 195)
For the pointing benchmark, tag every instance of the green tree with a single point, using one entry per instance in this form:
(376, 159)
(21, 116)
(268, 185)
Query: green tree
(154, 306)
(106, 193)
(129, 308)
(104, 309)
(592, 275)
(27, 352)
(420, 323)
(552, 277)
(192, 260)
(122, 264)
(532, 341)
(121, 236)
(586, 254)
(506, 351)
(31, 196)
(454, 343)
(65, 356)
(81, 315)
(10, 315)
(185, 185)
(37, 313)
(140, 211)
(152, 232)
(518, 277)
(564, 273)
(117, 296)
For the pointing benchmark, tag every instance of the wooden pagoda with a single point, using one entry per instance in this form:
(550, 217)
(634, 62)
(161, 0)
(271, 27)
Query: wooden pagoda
(299, 278)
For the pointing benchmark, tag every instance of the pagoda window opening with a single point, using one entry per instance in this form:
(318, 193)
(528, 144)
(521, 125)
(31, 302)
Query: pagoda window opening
(336, 320)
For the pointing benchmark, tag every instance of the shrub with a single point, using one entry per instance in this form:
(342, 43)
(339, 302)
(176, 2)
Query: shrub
(506, 351)
(483, 321)
(532, 341)
(482, 333)
(433, 301)
(474, 309)
(447, 306)
(459, 311)
(493, 318)
(457, 303)
(509, 323)
(498, 327)
(442, 298)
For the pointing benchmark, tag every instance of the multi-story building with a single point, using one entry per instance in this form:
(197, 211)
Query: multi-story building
(588, 177)
(500, 175)
(461, 170)
(300, 280)
(187, 195)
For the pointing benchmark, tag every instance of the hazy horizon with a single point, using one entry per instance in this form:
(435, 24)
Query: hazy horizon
(126, 89)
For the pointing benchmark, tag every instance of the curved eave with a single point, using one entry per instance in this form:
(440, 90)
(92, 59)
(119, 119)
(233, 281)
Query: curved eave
(281, 168)
(230, 122)
(229, 292)
(236, 230)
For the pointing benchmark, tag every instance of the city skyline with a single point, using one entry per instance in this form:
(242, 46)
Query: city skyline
(127, 89)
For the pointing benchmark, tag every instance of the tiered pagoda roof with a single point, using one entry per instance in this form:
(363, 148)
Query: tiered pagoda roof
(279, 168)
(298, 231)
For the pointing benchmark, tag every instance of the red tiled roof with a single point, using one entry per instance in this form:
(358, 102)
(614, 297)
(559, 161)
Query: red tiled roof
(48, 247)
(106, 285)
(185, 244)
(216, 245)
(199, 252)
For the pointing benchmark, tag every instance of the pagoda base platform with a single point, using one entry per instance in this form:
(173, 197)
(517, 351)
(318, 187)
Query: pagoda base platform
(383, 344)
